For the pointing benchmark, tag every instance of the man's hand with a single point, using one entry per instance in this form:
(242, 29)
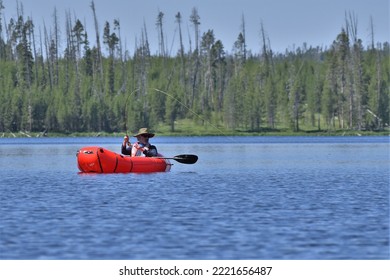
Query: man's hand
(126, 141)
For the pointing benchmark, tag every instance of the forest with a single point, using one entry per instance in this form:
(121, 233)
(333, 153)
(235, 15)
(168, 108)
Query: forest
(94, 84)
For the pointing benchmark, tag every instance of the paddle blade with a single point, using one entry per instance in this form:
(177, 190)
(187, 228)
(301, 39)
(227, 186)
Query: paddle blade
(187, 159)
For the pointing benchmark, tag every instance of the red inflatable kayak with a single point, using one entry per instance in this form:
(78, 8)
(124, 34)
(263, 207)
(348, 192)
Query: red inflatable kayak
(100, 160)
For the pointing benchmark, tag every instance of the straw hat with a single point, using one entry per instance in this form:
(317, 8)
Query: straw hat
(144, 131)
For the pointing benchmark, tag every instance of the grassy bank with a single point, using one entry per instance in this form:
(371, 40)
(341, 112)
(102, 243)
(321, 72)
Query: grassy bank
(186, 130)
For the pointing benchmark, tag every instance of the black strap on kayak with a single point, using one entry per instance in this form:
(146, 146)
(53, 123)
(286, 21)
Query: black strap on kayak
(116, 163)
(97, 154)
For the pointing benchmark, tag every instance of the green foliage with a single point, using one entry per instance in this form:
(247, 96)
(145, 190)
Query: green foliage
(206, 90)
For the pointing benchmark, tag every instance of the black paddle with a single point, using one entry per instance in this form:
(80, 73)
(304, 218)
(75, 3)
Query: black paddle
(187, 159)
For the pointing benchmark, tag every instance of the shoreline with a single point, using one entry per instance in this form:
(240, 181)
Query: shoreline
(23, 134)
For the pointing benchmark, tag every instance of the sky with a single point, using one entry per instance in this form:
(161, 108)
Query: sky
(288, 24)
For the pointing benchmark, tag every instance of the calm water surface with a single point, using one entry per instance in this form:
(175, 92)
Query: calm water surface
(246, 198)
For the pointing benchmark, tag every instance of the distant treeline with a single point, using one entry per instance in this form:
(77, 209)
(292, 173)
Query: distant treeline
(102, 87)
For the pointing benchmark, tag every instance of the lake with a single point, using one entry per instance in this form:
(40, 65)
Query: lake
(246, 198)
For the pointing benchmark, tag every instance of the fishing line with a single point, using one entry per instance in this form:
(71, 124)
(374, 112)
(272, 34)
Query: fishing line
(189, 109)
(125, 116)
(181, 103)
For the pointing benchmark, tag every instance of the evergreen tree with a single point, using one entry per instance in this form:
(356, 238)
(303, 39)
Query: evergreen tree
(46, 86)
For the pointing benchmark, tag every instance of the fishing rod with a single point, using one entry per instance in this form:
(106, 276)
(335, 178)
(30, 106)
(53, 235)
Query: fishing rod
(178, 101)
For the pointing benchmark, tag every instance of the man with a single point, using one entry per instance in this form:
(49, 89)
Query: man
(140, 148)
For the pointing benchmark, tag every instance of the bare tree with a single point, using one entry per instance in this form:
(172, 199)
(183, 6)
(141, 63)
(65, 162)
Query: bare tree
(372, 33)
(183, 71)
(243, 36)
(194, 18)
(56, 44)
(48, 56)
(2, 42)
(99, 62)
(159, 25)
